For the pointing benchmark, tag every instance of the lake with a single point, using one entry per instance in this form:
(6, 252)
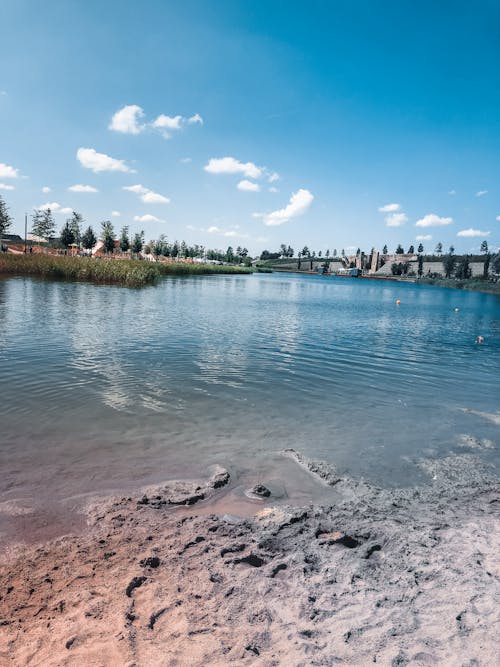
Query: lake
(107, 388)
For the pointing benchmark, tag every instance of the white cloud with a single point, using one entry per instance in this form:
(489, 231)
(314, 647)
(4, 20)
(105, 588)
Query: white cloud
(3, 92)
(228, 233)
(423, 237)
(115, 214)
(230, 165)
(82, 188)
(273, 189)
(146, 195)
(6, 171)
(195, 119)
(186, 160)
(433, 220)
(154, 198)
(4, 186)
(498, 218)
(53, 205)
(481, 193)
(452, 192)
(273, 177)
(91, 159)
(298, 204)
(67, 210)
(147, 218)
(472, 232)
(248, 186)
(126, 120)
(136, 189)
(390, 208)
(396, 219)
(168, 122)
(45, 189)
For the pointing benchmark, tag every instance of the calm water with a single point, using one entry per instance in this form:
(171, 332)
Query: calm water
(103, 387)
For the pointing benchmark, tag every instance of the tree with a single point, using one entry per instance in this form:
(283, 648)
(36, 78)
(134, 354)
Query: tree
(439, 249)
(5, 219)
(400, 250)
(138, 242)
(449, 263)
(463, 269)
(384, 250)
(67, 236)
(89, 239)
(411, 250)
(420, 265)
(343, 252)
(335, 252)
(229, 254)
(75, 224)
(305, 252)
(487, 259)
(124, 240)
(420, 248)
(108, 236)
(495, 264)
(327, 254)
(43, 224)
(452, 249)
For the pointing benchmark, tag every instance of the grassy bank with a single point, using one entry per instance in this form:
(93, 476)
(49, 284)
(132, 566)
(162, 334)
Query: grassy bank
(130, 273)
(473, 284)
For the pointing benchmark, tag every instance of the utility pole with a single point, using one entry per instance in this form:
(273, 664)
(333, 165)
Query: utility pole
(25, 233)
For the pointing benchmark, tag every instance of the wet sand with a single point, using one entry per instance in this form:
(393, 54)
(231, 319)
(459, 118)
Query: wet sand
(183, 574)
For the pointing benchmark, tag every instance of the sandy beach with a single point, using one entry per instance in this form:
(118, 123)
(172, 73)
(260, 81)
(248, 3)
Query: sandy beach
(167, 577)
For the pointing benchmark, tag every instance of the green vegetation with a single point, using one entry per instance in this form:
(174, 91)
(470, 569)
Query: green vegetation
(473, 284)
(131, 273)
(5, 218)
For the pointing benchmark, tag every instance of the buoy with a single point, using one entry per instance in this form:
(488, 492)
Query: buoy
(456, 310)
(398, 302)
(479, 339)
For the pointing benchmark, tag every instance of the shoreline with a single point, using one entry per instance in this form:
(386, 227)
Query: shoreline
(169, 576)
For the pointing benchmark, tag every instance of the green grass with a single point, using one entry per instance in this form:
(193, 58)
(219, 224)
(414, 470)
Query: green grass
(131, 273)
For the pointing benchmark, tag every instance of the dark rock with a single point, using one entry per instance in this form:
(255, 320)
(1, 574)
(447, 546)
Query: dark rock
(251, 559)
(135, 583)
(277, 568)
(220, 477)
(155, 616)
(233, 549)
(261, 491)
(70, 642)
(151, 561)
(371, 550)
(336, 537)
(253, 649)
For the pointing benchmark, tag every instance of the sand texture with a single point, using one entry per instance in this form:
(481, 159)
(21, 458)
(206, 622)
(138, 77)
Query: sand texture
(403, 577)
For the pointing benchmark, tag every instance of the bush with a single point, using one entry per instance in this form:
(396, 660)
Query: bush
(132, 273)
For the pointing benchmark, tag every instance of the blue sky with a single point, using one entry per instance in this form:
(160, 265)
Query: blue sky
(325, 113)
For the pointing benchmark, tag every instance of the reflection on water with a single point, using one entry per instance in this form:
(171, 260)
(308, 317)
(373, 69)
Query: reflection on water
(104, 386)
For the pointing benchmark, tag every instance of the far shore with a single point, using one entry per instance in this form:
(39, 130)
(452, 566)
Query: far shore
(172, 575)
(485, 286)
